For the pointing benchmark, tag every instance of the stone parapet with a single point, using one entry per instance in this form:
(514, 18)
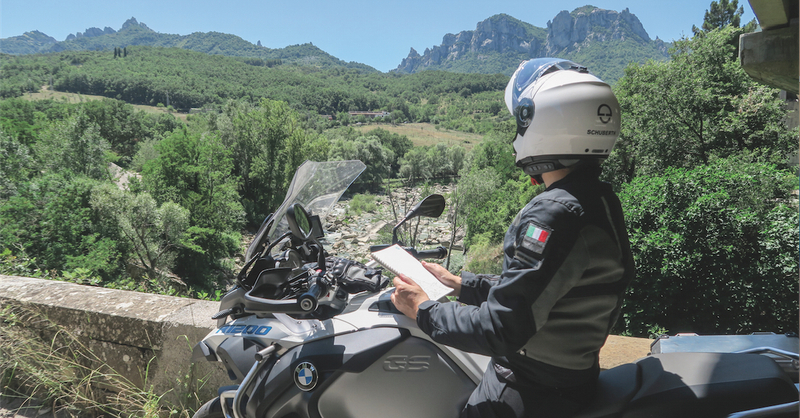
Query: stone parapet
(129, 329)
(143, 337)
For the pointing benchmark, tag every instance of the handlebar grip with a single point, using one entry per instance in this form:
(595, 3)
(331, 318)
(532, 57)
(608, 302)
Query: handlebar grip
(438, 253)
(308, 301)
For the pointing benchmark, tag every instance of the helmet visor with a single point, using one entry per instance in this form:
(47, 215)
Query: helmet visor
(528, 73)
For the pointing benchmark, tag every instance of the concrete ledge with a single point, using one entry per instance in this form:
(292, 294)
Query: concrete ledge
(771, 57)
(128, 329)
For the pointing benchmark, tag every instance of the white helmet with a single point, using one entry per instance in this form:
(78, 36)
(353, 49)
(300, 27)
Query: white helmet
(564, 115)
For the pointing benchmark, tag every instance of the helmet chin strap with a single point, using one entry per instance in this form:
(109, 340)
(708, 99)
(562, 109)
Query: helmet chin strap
(537, 180)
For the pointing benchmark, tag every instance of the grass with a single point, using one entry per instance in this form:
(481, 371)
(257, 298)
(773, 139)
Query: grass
(41, 363)
(426, 134)
(361, 203)
(44, 94)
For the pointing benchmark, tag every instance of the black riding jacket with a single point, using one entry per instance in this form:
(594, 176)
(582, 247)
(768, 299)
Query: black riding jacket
(566, 266)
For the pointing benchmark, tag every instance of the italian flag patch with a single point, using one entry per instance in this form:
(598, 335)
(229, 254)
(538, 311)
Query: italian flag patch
(535, 239)
(536, 233)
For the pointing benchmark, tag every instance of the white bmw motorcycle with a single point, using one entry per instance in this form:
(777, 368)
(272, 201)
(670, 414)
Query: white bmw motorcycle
(304, 335)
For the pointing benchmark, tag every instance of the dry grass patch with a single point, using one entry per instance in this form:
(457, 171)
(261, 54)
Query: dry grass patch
(426, 134)
(45, 94)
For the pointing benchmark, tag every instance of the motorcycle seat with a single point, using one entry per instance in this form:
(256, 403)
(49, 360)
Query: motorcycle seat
(690, 385)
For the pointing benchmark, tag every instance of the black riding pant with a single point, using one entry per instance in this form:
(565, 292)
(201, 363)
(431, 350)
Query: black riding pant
(499, 396)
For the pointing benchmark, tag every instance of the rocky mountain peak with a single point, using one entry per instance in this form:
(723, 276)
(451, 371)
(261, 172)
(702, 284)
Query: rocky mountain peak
(132, 22)
(91, 32)
(94, 32)
(40, 37)
(567, 30)
(500, 42)
(497, 33)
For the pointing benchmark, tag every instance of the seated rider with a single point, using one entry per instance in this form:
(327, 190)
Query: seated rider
(567, 259)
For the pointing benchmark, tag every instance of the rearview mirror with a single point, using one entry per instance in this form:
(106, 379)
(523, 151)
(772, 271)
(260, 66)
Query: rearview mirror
(302, 227)
(430, 207)
(299, 221)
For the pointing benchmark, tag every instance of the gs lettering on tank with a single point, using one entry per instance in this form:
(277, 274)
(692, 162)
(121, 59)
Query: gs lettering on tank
(244, 329)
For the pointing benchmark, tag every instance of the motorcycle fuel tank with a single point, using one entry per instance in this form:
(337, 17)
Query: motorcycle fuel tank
(235, 343)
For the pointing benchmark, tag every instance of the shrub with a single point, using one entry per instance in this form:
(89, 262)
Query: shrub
(715, 249)
(362, 203)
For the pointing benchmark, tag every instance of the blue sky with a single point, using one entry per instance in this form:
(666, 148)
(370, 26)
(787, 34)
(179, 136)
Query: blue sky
(377, 33)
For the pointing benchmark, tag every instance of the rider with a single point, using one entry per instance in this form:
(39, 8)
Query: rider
(567, 257)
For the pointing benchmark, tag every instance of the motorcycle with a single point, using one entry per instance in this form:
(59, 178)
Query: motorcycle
(303, 334)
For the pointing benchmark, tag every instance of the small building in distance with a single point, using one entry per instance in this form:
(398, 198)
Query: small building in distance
(370, 115)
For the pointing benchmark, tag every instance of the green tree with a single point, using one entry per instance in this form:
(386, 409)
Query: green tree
(367, 149)
(412, 165)
(398, 144)
(74, 145)
(154, 233)
(715, 249)
(50, 219)
(267, 145)
(436, 164)
(16, 165)
(496, 189)
(698, 105)
(456, 156)
(195, 170)
(721, 14)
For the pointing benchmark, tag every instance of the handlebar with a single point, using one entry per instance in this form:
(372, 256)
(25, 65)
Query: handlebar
(305, 303)
(308, 301)
(438, 253)
(255, 304)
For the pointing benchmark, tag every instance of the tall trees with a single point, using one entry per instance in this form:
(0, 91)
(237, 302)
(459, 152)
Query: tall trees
(368, 150)
(721, 14)
(154, 233)
(74, 145)
(267, 145)
(195, 170)
(715, 249)
(702, 169)
(696, 106)
(494, 190)
(53, 156)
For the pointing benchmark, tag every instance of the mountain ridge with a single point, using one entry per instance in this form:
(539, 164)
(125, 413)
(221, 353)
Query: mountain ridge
(603, 40)
(134, 33)
(501, 42)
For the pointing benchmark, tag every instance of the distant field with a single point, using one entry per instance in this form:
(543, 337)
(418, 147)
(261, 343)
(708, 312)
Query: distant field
(78, 98)
(426, 134)
(420, 134)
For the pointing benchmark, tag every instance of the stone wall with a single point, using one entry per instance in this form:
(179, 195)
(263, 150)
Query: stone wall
(141, 336)
(137, 333)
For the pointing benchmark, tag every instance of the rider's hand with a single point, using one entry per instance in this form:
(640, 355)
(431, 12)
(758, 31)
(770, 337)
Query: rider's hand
(444, 276)
(407, 296)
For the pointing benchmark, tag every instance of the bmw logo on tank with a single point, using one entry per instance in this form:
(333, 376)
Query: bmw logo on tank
(305, 376)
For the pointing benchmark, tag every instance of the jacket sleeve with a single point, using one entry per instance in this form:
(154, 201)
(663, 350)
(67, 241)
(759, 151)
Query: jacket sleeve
(517, 306)
(475, 287)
